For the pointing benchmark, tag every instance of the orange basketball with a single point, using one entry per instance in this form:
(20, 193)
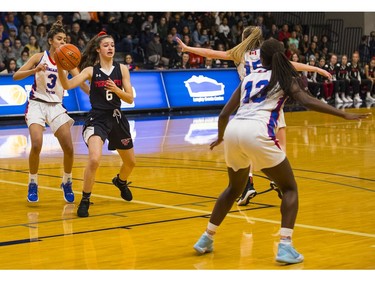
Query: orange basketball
(67, 56)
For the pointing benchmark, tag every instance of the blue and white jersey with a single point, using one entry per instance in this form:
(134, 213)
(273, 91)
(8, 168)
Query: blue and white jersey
(47, 85)
(257, 104)
(251, 62)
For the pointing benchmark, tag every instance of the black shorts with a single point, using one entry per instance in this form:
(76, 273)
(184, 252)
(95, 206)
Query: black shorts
(111, 125)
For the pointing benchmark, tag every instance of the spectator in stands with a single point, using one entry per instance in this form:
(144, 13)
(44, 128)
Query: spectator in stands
(7, 51)
(197, 36)
(315, 39)
(260, 22)
(162, 28)
(364, 50)
(304, 45)
(128, 35)
(176, 58)
(311, 51)
(27, 21)
(185, 61)
(12, 35)
(23, 59)
(168, 48)
(236, 31)
(175, 34)
(326, 85)
(81, 44)
(195, 60)
(129, 62)
(33, 46)
(224, 34)
(76, 33)
(25, 34)
(357, 72)
(293, 39)
(3, 33)
(273, 33)
(46, 22)
(176, 23)
(370, 74)
(314, 86)
(150, 23)
(371, 44)
(343, 74)
(41, 37)
(2, 62)
(11, 67)
(208, 63)
(17, 48)
(284, 33)
(324, 43)
(269, 20)
(154, 51)
(186, 31)
(338, 84)
(190, 21)
(10, 22)
(145, 38)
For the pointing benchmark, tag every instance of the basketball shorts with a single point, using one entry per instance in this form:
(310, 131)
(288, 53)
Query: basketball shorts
(249, 142)
(42, 113)
(111, 125)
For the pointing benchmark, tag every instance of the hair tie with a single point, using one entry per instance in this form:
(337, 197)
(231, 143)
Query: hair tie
(101, 33)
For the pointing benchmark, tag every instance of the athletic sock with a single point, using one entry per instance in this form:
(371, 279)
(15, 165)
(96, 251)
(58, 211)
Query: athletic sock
(66, 178)
(33, 178)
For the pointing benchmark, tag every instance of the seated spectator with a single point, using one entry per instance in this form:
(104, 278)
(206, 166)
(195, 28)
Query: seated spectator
(168, 48)
(25, 34)
(41, 36)
(33, 46)
(326, 84)
(284, 33)
(176, 58)
(18, 48)
(197, 36)
(293, 39)
(3, 33)
(154, 52)
(11, 67)
(129, 62)
(195, 60)
(208, 63)
(129, 34)
(7, 51)
(23, 59)
(314, 86)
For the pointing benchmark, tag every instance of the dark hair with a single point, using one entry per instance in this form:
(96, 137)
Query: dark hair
(272, 53)
(57, 27)
(90, 55)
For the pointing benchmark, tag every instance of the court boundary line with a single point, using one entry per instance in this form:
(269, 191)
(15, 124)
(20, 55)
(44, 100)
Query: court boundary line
(328, 229)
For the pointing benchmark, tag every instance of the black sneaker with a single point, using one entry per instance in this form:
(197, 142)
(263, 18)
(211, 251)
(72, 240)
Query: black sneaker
(274, 186)
(83, 208)
(126, 194)
(247, 194)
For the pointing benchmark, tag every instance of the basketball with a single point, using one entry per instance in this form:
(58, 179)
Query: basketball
(67, 56)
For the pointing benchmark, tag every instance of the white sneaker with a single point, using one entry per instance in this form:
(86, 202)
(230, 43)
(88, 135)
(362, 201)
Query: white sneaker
(357, 98)
(343, 98)
(337, 99)
(323, 100)
(369, 98)
(349, 99)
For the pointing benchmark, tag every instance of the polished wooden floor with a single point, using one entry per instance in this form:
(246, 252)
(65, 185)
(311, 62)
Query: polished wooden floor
(174, 185)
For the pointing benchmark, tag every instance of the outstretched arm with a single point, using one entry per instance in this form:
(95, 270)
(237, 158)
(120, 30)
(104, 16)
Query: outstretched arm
(225, 113)
(302, 96)
(76, 80)
(310, 68)
(204, 52)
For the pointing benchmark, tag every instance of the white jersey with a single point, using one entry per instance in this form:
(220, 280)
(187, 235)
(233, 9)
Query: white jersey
(47, 86)
(251, 62)
(261, 105)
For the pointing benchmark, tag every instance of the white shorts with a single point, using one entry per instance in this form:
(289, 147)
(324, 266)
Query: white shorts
(281, 122)
(42, 113)
(248, 142)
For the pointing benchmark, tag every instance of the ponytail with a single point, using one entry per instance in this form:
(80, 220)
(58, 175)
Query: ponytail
(251, 42)
(90, 55)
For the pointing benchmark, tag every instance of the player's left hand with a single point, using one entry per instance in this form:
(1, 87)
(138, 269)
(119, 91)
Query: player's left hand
(215, 143)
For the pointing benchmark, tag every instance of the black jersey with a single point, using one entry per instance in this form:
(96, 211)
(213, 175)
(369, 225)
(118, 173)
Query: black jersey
(332, 69)
(100, 98)
(343, 73)
(355, 72)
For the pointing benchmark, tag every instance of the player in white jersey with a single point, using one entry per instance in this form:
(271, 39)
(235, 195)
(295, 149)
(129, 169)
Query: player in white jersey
(45, 107)
(249, 139)
(246, 56)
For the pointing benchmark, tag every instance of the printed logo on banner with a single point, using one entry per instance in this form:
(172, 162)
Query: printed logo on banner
(12, 95)
(202, 88)
(127, 105)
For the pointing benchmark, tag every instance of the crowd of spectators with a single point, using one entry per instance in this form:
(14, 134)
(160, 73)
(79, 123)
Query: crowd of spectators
(148, 40)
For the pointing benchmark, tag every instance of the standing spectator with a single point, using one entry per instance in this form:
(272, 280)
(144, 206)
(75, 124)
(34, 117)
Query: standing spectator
(371, 44)
(284, 33)
(364, 50)
(269, 20)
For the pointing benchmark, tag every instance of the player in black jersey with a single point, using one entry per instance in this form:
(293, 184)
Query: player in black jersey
(370, 75)
(343, 74)
(338, 85)
(109, 84)
(357, 72)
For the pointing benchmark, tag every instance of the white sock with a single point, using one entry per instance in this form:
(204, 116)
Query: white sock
(33, 178)
(286, 235)
(67, 178)
(211, 230)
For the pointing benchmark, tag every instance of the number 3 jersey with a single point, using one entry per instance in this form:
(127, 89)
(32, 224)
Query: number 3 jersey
(100, 98)
(257, 104)
(47, 86)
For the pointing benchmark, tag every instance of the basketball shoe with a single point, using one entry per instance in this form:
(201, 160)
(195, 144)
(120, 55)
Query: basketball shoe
(204, 244)
(83, 208)
(247, 194)
(287, 254)
(68, 192)
(274, 186)
(32, 194)
(123, 186)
